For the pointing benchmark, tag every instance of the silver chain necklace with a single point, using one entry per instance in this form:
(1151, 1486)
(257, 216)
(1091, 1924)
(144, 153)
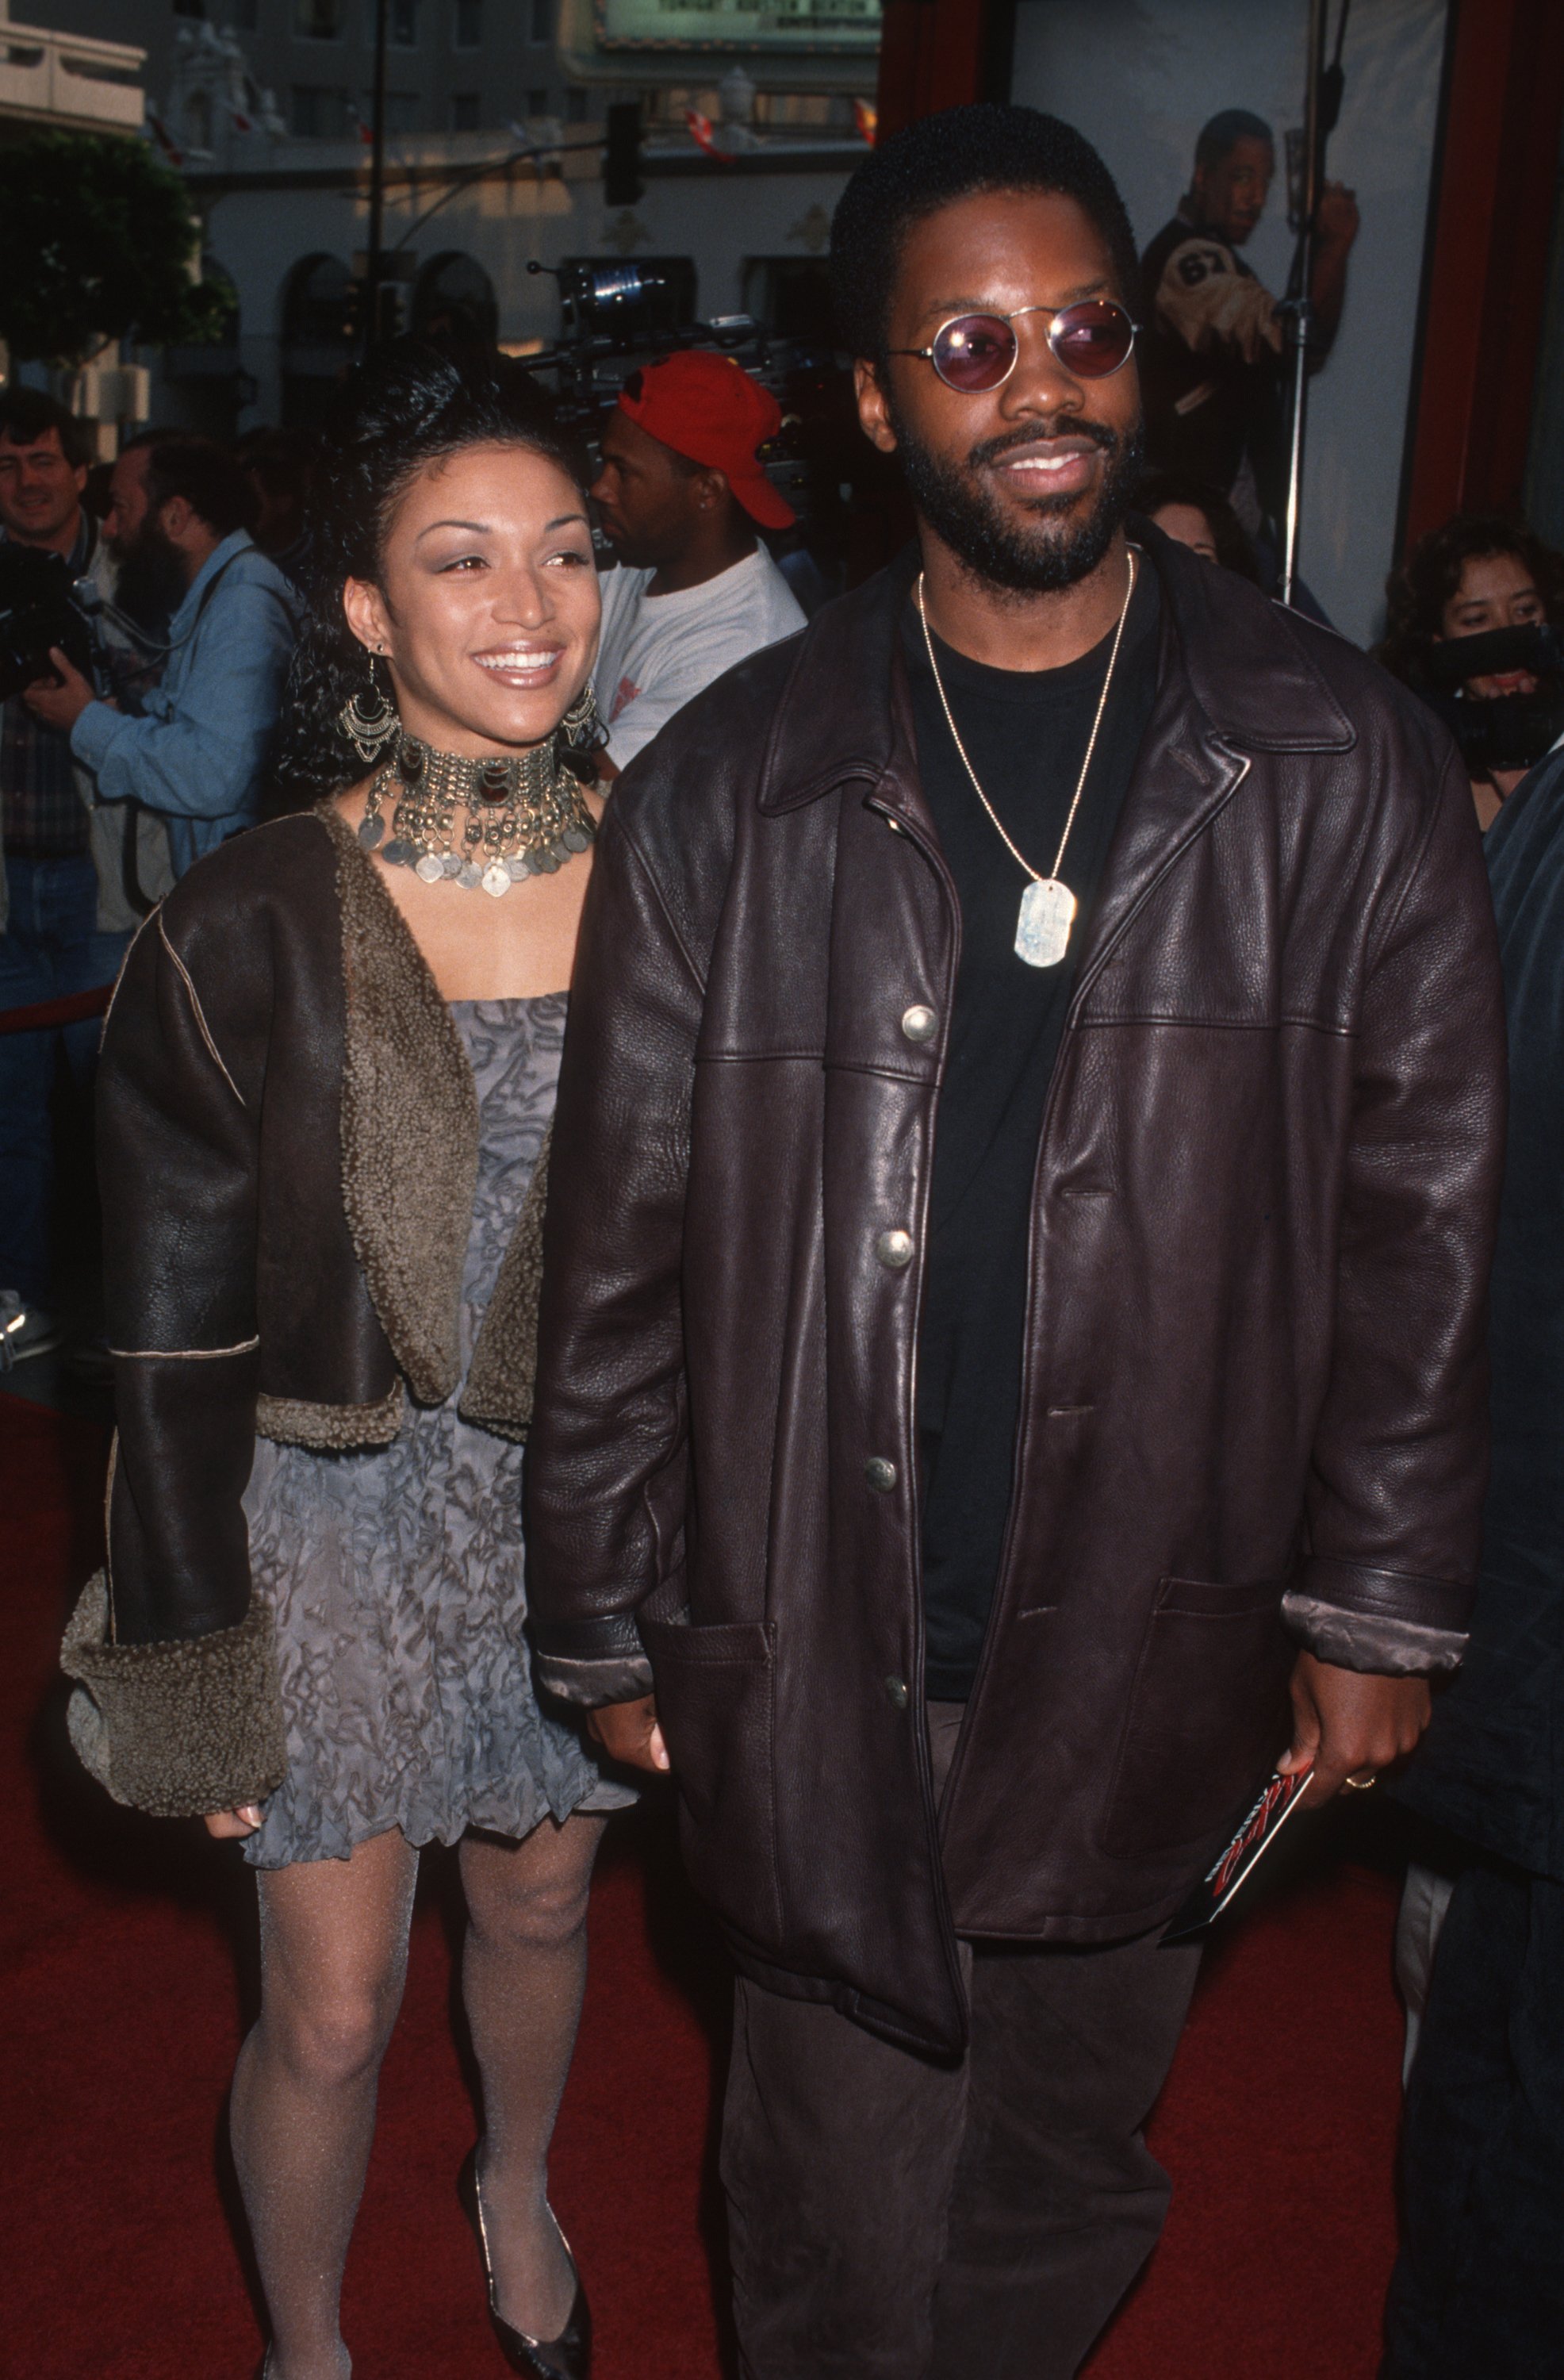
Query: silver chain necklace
(1048, 905)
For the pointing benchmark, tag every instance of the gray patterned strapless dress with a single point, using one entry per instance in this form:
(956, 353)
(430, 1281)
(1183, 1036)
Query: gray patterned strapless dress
(397, 1575)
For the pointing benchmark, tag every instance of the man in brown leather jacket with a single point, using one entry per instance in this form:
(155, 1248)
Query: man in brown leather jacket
(1020, 1211)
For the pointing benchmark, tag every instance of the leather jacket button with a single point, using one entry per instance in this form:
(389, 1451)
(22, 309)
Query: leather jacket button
(894, 1249)
(880, 1474)
(897, 1689)
(920, 1024)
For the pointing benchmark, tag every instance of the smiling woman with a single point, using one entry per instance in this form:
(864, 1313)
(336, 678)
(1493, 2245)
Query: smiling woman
(327, 1084)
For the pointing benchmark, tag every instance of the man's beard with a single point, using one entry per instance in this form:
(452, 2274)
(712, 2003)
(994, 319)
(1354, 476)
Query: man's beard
(995, 546)
(150, 586)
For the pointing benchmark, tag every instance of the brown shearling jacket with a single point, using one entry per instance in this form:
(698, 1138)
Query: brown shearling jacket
(289, 1143)
(1262, 1222)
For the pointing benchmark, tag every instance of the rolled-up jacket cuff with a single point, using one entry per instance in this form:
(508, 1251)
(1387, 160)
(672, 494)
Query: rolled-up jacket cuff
(590, 1684)
(591, 1661)
(179, 1727)
(1377, 1642)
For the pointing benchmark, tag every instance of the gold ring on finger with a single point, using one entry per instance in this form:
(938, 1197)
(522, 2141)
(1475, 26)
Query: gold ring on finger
(1361, 1784)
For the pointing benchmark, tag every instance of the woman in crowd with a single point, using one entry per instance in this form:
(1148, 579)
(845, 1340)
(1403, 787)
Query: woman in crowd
(326, 1087)
(1199, 516)
(1478, 574)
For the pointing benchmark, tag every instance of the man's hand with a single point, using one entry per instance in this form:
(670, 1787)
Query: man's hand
(1336, 217)
(629, 1732)
(59, 706)
(1350, 1724)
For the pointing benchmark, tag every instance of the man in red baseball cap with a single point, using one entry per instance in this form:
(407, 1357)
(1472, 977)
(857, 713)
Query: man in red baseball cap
(679, 494)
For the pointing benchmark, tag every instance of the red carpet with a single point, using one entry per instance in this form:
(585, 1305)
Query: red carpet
(127, 1961)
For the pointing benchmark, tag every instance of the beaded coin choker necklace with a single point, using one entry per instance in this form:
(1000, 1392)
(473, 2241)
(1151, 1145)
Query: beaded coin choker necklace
(524, 815)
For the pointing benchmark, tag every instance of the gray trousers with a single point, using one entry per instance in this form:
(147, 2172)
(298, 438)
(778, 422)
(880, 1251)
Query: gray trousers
(890, 2219)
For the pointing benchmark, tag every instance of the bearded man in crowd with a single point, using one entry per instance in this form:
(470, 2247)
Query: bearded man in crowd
(1022, 1197)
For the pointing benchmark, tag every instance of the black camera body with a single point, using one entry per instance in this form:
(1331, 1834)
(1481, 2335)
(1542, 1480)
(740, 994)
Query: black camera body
(1507, 731)
(38, 610)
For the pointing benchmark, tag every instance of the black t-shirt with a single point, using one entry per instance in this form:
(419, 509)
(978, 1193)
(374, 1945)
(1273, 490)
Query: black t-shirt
(1027, 733)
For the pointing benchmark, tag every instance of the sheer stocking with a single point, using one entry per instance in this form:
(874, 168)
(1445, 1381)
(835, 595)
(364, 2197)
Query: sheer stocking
(523, 1971)
(334, 1955)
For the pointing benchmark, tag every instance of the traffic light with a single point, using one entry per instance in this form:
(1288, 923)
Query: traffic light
(621, 155)
(389, 312)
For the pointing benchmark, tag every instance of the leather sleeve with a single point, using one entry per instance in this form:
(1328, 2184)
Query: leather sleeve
(608, 1429)
(178, 1153)
(1400, 1452)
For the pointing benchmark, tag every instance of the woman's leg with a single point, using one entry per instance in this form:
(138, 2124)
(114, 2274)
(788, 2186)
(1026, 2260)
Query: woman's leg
(523, 1971)
(333, 1954)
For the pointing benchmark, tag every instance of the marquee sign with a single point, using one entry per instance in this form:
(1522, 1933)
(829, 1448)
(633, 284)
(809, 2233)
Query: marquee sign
(806, 26)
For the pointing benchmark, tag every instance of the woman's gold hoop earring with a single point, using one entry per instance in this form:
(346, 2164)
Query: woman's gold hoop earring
(370, 723)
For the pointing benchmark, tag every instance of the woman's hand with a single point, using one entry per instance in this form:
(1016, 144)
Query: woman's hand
(628, 1732)
(229, 1825)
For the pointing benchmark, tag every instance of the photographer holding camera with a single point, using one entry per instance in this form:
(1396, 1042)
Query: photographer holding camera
(64, 913)
(181, 508)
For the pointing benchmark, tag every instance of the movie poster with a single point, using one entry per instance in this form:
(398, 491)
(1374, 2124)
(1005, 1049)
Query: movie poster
(1144, 78)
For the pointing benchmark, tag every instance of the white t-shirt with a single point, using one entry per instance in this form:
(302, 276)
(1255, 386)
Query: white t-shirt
(658, 650)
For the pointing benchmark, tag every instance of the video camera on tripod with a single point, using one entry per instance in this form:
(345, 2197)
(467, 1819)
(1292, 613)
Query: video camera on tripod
(619, 318)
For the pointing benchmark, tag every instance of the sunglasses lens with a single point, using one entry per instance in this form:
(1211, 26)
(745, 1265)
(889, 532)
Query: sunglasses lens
(974, 353)
(1092, 339)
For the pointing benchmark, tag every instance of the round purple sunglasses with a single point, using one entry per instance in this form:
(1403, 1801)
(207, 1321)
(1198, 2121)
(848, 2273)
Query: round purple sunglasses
(973, 353)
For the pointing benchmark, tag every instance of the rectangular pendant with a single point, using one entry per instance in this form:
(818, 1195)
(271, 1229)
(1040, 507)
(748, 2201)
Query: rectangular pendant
(1042, 931)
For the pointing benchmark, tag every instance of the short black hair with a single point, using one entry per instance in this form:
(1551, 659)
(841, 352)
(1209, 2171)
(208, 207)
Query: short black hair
(949, 156)
(1229, 535)
(27, 414)
(1216, 140)
(212, 482)
(282, 462)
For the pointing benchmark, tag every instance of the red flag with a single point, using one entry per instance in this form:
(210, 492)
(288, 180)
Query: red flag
(366, 131)
(703, 132)
(160, 134)
(866, 118)
(241, 123)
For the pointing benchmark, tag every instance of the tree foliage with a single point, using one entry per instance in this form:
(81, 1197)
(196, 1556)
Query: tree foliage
(99, 235)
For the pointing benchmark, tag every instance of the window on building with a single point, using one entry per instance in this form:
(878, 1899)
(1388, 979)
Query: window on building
(537, 103)
(453, 298)
(466, 111)
(189, 7)
(405, 24)
(404, 110)
(318, 113)
(317, 20)
(541, 25)
(468, 25)
(244, 15)
(576, 106)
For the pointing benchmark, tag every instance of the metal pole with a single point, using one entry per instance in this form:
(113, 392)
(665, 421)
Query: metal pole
(1300, 317)
(377, 183)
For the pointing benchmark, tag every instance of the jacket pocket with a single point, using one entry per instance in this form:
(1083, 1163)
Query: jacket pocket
(715, 1704)
(1208, 1716)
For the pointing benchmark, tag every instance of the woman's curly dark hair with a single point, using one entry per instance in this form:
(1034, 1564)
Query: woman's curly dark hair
(412, 406)
(1418, 590)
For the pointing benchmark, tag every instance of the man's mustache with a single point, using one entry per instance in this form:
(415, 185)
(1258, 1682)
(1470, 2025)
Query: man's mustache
(994, 449)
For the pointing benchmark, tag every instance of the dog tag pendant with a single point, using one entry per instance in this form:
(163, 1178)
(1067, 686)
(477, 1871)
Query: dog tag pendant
(1042, 931)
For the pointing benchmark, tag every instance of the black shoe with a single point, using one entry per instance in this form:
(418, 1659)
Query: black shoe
(568, 2357)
